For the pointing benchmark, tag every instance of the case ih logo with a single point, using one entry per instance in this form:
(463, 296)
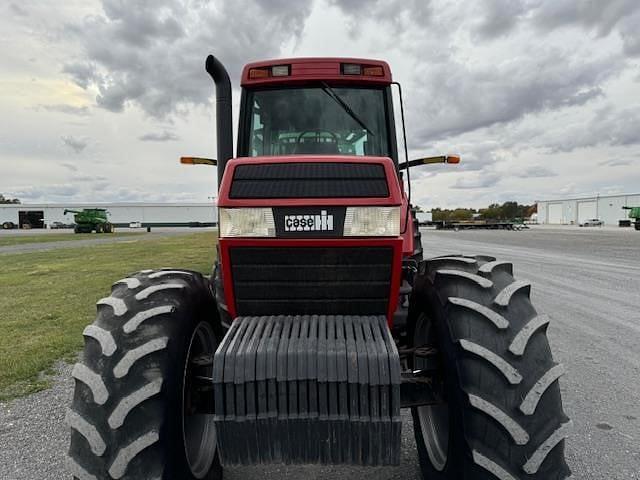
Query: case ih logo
(308, 223)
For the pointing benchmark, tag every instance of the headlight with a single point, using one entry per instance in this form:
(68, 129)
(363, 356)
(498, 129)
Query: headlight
(246, 222)
(372, 222)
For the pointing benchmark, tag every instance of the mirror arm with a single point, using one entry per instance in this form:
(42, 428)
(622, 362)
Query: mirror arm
(430, 160)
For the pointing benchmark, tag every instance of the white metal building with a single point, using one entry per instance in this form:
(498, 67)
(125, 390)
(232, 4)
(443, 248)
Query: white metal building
(573, 211)
(42, 215)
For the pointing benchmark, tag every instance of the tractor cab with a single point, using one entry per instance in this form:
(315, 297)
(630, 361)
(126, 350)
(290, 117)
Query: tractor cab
(316, 167)
(317, 107)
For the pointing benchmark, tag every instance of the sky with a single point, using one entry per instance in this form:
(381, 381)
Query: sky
(541, 99)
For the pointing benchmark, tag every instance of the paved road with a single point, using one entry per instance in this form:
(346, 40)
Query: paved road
(93, 239)
(587, 280)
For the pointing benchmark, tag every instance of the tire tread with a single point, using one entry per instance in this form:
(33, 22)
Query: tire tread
(122, 389)
(514, 425)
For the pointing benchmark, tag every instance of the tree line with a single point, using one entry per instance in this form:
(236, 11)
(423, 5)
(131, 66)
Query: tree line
(495, 211)
(4, 199)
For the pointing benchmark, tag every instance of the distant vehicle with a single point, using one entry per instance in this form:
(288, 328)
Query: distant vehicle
(520, 224)
(424, 218)
(592, 222)
(90, 219)
(57, 225)
(634, 216)
(135, 225)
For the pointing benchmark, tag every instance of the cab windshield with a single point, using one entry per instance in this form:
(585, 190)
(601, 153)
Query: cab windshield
(319, 120)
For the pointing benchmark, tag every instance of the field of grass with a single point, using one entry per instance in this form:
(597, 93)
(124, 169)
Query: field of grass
(12, 239)
(47, 298)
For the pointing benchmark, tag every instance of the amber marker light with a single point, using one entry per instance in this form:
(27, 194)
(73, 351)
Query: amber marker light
(256, 73)
(373, 71)
(198, 161)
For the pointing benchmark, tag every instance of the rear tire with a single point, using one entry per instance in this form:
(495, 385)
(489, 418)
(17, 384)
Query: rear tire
(132, 413)
(503, 417)
(417, 236)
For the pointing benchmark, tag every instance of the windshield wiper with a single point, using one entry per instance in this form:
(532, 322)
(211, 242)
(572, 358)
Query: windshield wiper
(329, 91)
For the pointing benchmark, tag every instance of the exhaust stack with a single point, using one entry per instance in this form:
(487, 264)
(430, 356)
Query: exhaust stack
(224, 122)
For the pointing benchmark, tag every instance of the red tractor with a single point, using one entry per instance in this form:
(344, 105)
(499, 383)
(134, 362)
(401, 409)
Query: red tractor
(321, 319)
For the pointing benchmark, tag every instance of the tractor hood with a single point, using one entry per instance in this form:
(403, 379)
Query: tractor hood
(299, 180)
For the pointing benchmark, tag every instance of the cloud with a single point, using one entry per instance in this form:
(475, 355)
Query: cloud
(607, 126)
(460, 98)
(516, 87)
(536, 172)
(611, 190)
(498, 17)
(68, 109)
(477, 181)
(159, 137)
(630, 34)
(18, 10)
(602, 16)
(75, 144)
(45, 192)
(89, 178)
(82, 73)
(397, 13)
(69, 166)
(616, 162)
(478, 155)
(151, 53)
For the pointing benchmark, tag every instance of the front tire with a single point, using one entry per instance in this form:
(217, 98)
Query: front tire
(133, 414)
(502, 417)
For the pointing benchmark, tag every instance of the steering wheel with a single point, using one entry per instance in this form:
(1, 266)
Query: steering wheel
(317, 133)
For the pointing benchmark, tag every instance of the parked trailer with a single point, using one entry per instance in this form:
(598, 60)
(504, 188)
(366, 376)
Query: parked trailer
(479, 225)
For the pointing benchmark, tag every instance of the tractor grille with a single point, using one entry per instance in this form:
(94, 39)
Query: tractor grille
(309, 180)
(299, 281)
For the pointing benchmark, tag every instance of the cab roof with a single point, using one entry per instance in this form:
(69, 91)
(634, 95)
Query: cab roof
(304, 70)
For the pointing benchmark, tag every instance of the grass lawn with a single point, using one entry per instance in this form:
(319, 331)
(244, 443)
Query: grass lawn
(12, 239)
(47, 298)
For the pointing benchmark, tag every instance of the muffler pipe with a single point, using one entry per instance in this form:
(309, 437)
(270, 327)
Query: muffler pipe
(224, 126)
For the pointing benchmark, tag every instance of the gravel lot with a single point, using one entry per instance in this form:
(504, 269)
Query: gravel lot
(91, 239)
(588, 280)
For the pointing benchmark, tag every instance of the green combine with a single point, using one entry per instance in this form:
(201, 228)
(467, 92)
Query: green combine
(91, 219)
(634, 216)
